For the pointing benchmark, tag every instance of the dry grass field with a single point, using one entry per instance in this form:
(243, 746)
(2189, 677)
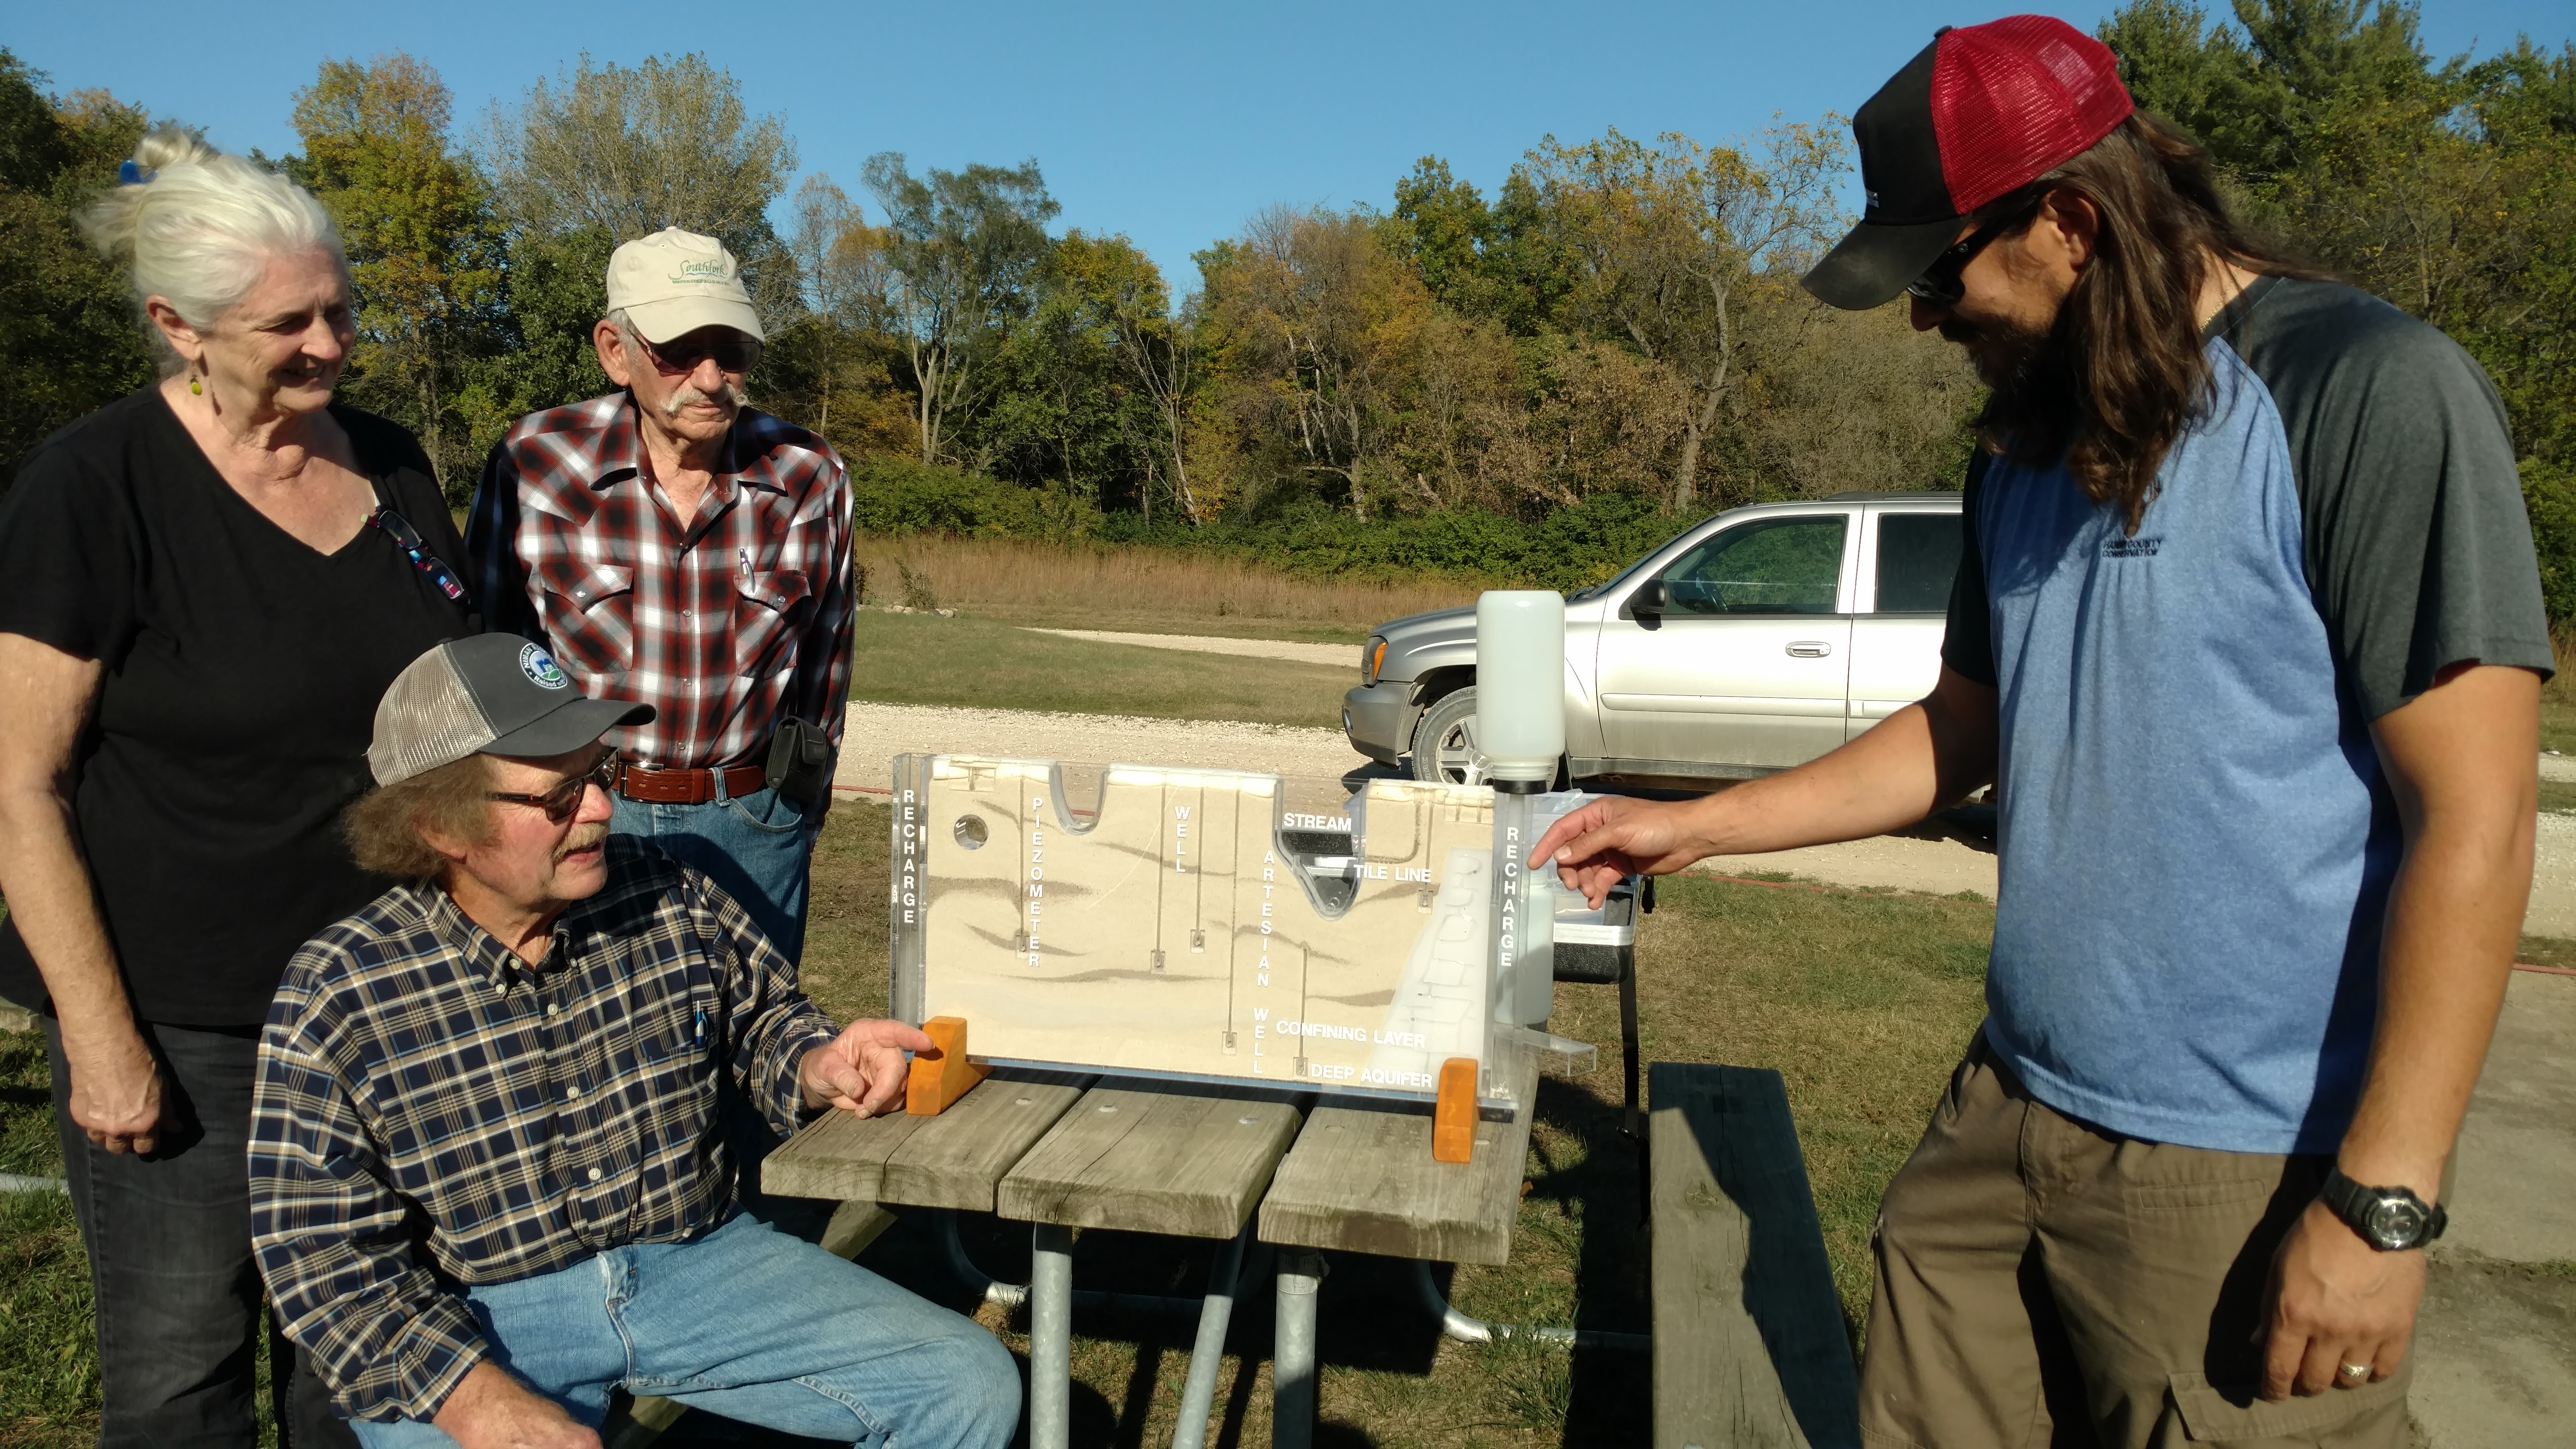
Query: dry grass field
(1145, 590)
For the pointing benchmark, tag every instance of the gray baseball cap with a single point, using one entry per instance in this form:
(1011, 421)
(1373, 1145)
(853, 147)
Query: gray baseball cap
(493, 694)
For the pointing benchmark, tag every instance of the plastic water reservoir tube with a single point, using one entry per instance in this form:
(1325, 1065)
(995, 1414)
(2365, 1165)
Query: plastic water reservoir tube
(1520, 685)
(1520, 730)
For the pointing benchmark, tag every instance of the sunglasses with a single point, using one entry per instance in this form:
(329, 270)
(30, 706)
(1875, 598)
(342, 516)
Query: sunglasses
(1941, 282)
(408, 539)
(560, 802)
(735, 355)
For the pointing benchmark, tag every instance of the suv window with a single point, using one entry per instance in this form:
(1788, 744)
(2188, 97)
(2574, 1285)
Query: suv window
(1769, 566)
(1918, 556)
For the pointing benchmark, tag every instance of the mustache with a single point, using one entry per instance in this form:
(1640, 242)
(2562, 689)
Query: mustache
(685, 395)
(583, 837)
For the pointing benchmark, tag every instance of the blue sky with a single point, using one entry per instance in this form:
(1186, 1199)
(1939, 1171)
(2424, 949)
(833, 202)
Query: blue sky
(1171, 123)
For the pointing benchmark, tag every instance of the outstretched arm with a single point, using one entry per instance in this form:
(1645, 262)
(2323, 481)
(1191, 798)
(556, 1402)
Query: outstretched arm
(1917, 760)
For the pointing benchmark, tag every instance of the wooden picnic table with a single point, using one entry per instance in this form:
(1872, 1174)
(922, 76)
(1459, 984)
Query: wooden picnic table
(1301, 1172)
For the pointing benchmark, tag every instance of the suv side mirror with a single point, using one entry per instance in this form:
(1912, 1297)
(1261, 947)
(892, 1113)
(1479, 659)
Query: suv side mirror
(1648, 600)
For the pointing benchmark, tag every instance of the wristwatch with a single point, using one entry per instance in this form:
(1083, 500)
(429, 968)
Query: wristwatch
(2391, 1219)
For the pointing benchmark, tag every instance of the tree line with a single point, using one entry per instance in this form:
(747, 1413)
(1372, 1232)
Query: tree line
(1610, 341)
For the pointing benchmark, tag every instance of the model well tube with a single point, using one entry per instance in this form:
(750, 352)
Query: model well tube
(1520, 728)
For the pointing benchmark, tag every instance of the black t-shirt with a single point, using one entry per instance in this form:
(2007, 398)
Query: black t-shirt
(242, 675)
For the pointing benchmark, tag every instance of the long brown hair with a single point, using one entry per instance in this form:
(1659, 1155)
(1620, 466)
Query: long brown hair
(2121, 373)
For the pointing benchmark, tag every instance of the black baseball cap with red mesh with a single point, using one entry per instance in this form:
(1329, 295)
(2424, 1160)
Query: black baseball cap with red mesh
(1984, 111)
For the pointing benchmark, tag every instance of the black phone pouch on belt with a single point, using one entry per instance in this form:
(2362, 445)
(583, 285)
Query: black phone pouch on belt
(800, 762)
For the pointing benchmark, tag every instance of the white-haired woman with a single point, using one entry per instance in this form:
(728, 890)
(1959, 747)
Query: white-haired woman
(204, 590)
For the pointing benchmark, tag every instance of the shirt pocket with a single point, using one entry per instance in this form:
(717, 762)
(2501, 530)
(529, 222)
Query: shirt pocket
(675, 1066)
(590, 615)
(771, 609)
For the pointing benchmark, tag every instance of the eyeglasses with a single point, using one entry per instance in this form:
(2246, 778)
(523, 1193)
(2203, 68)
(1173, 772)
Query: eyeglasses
(560, 802)
(1940, 283)
(408, 539)
(736, 354)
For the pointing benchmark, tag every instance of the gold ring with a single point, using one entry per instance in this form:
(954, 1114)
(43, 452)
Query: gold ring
(2356, 1371)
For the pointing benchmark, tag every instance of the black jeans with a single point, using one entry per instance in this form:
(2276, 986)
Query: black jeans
(169, 1260)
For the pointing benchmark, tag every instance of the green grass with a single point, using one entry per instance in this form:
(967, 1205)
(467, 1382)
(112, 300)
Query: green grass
(2558, 719)
(924, 659)
(2547, 951)
(48, 1359)
(2557, 795)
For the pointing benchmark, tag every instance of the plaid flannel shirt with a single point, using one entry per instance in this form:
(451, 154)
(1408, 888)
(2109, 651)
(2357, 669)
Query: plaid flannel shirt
(432, 1112)
(724, 626)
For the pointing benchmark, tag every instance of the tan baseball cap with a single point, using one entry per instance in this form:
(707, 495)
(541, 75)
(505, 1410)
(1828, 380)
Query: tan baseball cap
(674, 282)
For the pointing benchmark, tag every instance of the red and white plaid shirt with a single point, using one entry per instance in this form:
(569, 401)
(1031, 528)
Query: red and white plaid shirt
(725, 626)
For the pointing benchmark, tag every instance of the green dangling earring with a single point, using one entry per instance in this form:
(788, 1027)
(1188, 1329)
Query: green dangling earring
(195, 387)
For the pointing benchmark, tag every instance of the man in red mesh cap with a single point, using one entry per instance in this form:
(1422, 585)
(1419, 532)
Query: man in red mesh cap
(2247, 633)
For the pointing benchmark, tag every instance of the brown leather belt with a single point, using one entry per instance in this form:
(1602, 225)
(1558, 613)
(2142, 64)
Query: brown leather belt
(688, 787)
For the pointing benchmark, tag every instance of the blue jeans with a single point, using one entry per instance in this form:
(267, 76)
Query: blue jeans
(177, 1296)
(757, 846)
(754, 1325)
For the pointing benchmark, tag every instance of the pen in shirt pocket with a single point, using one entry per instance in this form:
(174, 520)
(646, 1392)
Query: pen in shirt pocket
(702, 1026)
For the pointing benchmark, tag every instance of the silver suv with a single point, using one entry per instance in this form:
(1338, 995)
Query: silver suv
(1752, 642)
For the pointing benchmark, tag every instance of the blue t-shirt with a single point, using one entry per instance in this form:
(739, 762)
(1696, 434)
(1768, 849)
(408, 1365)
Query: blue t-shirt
(2195, 837)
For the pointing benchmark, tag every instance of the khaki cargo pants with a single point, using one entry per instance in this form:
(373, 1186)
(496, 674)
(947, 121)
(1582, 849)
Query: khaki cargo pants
(2043, 1283)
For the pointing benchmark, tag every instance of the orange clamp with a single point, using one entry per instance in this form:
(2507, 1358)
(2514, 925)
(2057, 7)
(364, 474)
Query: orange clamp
(942, 1074)
(1453, 1122)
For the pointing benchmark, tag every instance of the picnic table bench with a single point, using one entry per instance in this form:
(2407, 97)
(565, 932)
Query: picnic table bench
(1748, 1344)
(1061, 1151)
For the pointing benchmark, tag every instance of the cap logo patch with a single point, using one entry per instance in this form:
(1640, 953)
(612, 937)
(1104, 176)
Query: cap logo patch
(539, 666)
(699, 272)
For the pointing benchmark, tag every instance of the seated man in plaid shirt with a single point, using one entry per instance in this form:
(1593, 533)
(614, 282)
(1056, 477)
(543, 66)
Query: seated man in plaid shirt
(669, 545)
(487, 1184)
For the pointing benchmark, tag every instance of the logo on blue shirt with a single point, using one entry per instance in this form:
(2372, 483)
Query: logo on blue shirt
(2131, 547)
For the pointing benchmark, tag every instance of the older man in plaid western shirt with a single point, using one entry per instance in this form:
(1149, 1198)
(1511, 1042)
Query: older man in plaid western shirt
(672, 546)
(487, 1184)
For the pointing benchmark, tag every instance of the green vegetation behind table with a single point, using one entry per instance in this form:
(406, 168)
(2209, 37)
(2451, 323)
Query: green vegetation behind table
(1527, 382)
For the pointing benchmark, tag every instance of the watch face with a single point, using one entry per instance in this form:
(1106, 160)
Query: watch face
(2396, 1223)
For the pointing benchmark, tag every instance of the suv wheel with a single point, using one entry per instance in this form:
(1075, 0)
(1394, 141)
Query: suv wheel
(1444, 744)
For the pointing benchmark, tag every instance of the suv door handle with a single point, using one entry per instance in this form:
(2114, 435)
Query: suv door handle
(1810, 649)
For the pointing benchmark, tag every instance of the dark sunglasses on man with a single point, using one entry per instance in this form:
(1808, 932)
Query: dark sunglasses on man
(560, 802)
(734, 353)
(1941, 283)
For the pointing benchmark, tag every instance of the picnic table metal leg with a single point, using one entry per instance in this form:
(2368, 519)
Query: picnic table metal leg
(1198, 1394)
(1292, 1370)
(1051, 1337)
